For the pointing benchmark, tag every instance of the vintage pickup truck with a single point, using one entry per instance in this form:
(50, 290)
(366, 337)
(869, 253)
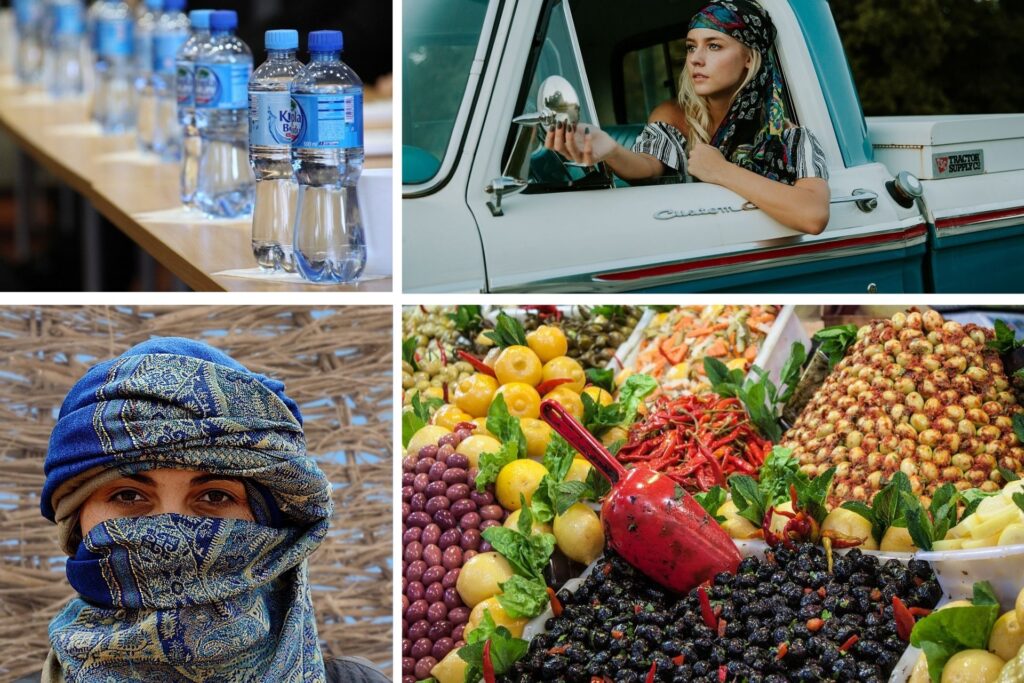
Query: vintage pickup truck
(919, 204)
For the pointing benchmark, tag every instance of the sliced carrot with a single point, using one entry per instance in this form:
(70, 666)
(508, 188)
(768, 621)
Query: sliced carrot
(717, 349)
(750, 353)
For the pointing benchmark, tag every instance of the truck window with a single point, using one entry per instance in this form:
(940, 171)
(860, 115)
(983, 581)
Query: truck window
(649, 76)
(439, 43)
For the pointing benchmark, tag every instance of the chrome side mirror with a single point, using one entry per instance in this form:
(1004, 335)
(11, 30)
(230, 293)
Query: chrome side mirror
(557, 101)
(501, 187)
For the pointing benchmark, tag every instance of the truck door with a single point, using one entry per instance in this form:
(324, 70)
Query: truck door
(558, 234)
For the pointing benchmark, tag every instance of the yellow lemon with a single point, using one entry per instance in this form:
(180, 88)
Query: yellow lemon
(425, 436)
(500, 616)
(448, 416)
(565, 367)
(518, 364)
(538, 435)
(521, 399)
(474, 393)
(518, 477)
(568, 399)
(477, 444)
(600, 396)
(579, 533)
(578, 470)
(512, 522)
(548, 342)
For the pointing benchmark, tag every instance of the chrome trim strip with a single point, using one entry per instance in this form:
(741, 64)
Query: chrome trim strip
(585, 283)
(988, 220)
(469, 96)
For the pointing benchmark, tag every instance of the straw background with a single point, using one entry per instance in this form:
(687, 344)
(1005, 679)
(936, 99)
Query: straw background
(336, 363)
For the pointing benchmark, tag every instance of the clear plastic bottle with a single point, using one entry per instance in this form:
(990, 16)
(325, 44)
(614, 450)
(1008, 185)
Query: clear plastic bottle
(273, 126)
(66, 48)
(172, 30)
(226, 186)
(145, 27)
(328, 238)
(113, 98)
(28, 16)
(191, 143)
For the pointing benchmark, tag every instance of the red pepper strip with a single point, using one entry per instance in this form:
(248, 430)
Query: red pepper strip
(558, 650)
(722, 623)
(488, 664)
(781, 652)
(678, 660)
(424, 309)
(850, 642)
(726, 439)
(556, 604)
(444, 356)
(904, 619)
(477, 364)
(444, 391)
(545, 387)
(705, 608)
(920, 611)
(723, 673)
(719, 477)
(651, 672)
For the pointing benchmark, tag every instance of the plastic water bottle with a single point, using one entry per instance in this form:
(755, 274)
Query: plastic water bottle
(225, 187)
(191, 143)
(28, 17)
(66, 48)
(113, 97)
(145, 27)
(328, 237)
(273, 126)
(170, 34)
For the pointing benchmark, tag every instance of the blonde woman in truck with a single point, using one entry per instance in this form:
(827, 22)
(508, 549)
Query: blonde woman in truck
(729, 125)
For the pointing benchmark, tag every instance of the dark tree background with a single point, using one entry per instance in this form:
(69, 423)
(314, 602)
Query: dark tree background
(935, 56)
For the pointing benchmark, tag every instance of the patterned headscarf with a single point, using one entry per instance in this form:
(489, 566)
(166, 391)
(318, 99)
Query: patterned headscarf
(174, 597)
(750, 135)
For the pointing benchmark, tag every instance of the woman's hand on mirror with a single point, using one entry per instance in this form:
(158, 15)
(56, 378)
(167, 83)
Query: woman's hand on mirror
(581, 143)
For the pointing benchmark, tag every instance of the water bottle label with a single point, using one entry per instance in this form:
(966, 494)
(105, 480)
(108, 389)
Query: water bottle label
(329, 121)
(186, 84)
(114, 37)
(274, 119)
(67, 20)
(222, 86)
(26, 13)
(165, 50)
(144, 51)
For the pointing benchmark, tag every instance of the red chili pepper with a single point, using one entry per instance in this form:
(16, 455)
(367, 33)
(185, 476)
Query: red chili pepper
(904, 619)
(477, 364)
(705, 608)
(444, 356)
(651, 672)
(920, 611)
(781, 652)
(678, 660)
(723, 673)
(546, 386)
(556, 604)
(488, 664)
(444, 391)
(850, 642)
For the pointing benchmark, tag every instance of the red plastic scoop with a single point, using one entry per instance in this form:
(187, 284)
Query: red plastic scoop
(654, 524)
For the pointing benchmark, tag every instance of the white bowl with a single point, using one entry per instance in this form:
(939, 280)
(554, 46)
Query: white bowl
(958, 570)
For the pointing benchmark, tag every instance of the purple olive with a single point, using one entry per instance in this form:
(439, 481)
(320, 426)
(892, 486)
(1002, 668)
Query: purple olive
(452, 599)
(419, 629)
(470, 520)
(492, 512)
(414, 572)
(410, 678)
(434, 574)
(418, 518)
(437, 504)
(468, 555)
(431, 533)
(436, 612)
(457, 635)
(485, 547)
(423, 666)
(442, 647)
(482, 498)
(432, 555)
(464, 430)
(406, 509)
(417, 610)
(415, 591)
(461, 507)
(420, 481)
(457, 492)
(424, 465)
(413, 551)
(445, 452)
(428, 451)
(412, 534)
(407, 492)
(408, 664)
(421, 648)
(488, 523)
(452, 557)
(451, 577)
(408, 464)
(444, 519)
(440, 629)
(458, 460)
(406, 647)
(449, 440)
(454, 475)
(434, 593)
(437, 471)
(470, 539)
(450, 537)
(435, 488)
(418, 501)
(459, 615)
(407, 478)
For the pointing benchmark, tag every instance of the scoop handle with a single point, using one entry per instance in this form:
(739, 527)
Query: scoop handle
(583, 441)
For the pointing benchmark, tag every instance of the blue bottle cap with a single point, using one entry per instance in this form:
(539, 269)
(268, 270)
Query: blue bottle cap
(224, 20)
(174, 5)
(282, 39)
(200, 19)
(155, 4)
(326, 41)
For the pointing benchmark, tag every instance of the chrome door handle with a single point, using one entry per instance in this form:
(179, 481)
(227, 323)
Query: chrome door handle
(866, 200)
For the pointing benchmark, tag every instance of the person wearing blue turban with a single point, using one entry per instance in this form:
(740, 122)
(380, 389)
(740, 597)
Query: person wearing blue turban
(187, 504)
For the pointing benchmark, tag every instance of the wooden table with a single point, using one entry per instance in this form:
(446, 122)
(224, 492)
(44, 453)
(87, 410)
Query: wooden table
(139, 194)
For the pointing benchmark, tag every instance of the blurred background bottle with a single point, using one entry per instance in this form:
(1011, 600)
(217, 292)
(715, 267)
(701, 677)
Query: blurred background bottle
(113, 99)
(28, 17)
(145, 25)
(273, 126)
(225, 186)
(188, 115)
(329, 242)
(169, 35)
(68, 25)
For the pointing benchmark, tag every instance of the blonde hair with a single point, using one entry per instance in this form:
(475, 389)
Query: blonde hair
(695, 107)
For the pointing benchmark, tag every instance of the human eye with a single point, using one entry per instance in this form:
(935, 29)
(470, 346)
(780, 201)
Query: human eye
(127, 497)
(217, 497)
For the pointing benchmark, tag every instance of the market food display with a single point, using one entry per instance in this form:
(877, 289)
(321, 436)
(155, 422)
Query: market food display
(432, 337)
(822, 521)
(675, 342)
(915, 394)
(593, 333)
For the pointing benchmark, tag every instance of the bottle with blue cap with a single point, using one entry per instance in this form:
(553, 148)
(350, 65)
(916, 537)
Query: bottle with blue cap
(187, 114)
(28, 20)
(273, 126)
(145, 28)
(328, 237)
(113, 99)
(225, 187)
(67, 27)
(171, 32)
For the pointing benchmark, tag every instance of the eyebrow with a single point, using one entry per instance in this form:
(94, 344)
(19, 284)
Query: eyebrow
(196, 480)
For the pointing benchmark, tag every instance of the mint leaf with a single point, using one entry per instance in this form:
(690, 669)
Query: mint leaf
(522, 597)
(409, 353)
(779, 469)
(604, 379)
(721, 380)
(943, 633)
(1018, 498)
(598, 485)
(750, 500)
(528, 554)
(468, 320)
(1018, 427)
(491, 463)
(598, 419)
(558, 457)
(632, 393)
(424, 409)
(505, 650)
(811, 494)
(835, 341)
(411, 423)
(790, 375)
(1005, 341)
(507, 332)
(505, 426)
(918, 523)
(711, 501)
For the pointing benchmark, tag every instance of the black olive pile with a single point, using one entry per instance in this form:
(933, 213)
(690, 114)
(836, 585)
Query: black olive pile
(779, 624)
(593, 337)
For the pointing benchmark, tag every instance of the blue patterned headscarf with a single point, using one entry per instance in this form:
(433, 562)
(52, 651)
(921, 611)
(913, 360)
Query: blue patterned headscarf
(174, 597)
(750, 135)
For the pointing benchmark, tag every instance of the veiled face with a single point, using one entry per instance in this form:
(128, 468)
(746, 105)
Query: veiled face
(161, 491)
(717, 62)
